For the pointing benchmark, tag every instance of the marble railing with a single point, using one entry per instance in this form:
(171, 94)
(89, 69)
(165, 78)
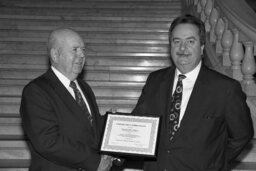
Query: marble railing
(231, 41)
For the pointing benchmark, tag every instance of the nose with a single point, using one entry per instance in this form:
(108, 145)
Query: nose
(183, 46)
(80, 53)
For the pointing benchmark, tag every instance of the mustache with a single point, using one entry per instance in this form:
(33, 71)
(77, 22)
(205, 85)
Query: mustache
(182, 54)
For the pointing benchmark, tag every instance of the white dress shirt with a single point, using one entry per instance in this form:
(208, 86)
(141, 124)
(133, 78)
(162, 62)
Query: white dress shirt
(65, 81)
(188, 85)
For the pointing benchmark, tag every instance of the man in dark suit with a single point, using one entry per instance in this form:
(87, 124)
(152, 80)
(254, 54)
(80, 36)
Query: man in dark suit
(205, 119)
(61, 119)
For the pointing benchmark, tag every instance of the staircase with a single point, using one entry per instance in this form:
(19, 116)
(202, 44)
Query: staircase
(125, 40)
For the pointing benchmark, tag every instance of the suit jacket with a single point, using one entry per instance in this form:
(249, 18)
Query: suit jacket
(59, 133)
(215, 127)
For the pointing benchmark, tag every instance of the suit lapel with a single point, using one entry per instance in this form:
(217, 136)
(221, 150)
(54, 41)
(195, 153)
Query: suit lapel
(167, 85)
(65, 96)
(163, 95)
(195, 104)
(90, 102)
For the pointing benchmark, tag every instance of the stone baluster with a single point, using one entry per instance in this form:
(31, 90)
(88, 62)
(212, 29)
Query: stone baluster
(195, 2)
(213, 21)
(226, 42)
(207, 11)
(199, 7)
(202, 14)
(236, 56)
(248, 69)
(219, 29)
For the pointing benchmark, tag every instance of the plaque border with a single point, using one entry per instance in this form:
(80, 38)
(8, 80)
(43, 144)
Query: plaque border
(149, 152)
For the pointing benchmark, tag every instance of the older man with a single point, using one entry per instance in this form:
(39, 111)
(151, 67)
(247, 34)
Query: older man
(59, 111)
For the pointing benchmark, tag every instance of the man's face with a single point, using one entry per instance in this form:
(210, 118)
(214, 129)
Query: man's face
(186, 49)
(71, 58)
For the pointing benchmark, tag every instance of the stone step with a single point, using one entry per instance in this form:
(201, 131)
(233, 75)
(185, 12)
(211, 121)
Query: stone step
(12, 110)
(83, 5)
(38, 68)
(15, 90)
(80, 28)
(125, 61)
(79, 23)
(113, 35)
(114, 42)
(119, 95)
(11, 129)
(101, 100)
(95, 47)
(121, 84)
(81, 17)
(9, 105)
(90, 53)
(129, 74)
(87, 12)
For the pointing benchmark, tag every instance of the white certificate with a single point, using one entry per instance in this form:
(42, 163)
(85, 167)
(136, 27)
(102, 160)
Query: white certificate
(129, 134)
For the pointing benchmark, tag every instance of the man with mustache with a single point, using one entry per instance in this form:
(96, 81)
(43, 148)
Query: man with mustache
(59, 111)
(205, 121)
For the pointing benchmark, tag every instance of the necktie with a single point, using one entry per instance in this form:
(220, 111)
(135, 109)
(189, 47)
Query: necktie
(80, 100)
(175, 107)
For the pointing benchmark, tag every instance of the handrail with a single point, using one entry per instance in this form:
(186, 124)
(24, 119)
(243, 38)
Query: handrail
(231, 38)
(241, 15)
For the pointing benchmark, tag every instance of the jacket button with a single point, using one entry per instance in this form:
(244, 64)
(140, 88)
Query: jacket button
(169, 151)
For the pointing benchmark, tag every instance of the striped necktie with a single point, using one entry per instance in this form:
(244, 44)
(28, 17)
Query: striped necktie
(80, 100)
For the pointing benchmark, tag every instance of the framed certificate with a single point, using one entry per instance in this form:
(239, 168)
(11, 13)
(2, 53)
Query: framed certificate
(130, 135)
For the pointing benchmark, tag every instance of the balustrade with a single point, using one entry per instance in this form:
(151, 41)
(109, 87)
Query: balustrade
(236, 55)
(248, 69)
(213, 21)
(219, 29)
(207, 11)
(226, 43)
(233, 47)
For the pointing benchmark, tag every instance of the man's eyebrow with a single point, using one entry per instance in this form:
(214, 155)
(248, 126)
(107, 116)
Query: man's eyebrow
(192, 37)
(175, 38)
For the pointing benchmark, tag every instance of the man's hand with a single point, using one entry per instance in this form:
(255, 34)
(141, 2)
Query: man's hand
(105, 163)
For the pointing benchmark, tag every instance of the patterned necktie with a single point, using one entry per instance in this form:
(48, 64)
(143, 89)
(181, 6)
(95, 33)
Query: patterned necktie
(175, 107)
(80, 100)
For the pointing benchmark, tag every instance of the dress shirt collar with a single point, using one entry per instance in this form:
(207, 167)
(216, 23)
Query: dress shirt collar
(64, 80)
(192, 75)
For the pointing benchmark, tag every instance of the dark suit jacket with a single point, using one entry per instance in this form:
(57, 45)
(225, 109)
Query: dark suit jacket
(59, 133)
(215, 127)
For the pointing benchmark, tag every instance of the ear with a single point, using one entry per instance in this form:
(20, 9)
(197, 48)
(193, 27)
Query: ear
(54, 55)
(202, 49)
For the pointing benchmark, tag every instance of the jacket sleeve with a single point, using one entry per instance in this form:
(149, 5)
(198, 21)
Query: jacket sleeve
(239, 121)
